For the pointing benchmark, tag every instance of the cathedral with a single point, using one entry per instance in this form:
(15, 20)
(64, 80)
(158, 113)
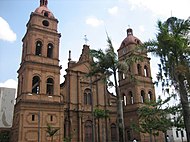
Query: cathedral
(42, 100)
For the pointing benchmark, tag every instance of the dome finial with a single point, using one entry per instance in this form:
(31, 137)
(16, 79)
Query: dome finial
(85, 39)
(69, 59)
(43, 2)
(129, 31)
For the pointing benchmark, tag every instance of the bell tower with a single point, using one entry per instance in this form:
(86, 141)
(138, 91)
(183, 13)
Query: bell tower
(38, 101)
(136, 85)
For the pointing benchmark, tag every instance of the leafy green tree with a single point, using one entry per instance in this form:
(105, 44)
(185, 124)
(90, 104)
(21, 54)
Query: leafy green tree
(99, 113)
(106, 64)
(154, 118)
(172, 46)
(51, 131)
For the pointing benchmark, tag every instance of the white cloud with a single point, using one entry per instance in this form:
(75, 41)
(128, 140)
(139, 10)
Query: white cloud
(93, 21)
(164, 8)
(6, 32)
(113, 10)
(10, 83)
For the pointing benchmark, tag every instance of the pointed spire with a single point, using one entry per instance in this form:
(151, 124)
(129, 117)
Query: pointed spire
(43, 3)
(85, 54)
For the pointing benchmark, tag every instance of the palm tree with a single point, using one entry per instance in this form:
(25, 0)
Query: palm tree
(51, 131)
(107, 64)
(172, 47)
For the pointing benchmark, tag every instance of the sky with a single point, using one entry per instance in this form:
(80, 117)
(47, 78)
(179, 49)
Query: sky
(78, 18)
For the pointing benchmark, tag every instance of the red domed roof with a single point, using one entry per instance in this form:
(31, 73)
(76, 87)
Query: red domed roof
(130, 39)
(43, 10)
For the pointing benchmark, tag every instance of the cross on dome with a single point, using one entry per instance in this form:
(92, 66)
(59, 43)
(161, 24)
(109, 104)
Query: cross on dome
(85, 39)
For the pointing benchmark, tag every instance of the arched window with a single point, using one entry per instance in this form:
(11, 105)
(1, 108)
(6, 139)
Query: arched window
(124, 100)
(139, 69)
(142, 96)
(146, 73)
(131, 97)
(38, 48)
(123, 76)
(113, 133)
(87, 97)
(49, 86)
(88, 131)
(46, 14)
(150, 96)
(36, 85)
(50, 50)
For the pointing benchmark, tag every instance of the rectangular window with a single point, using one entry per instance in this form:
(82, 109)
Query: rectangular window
(33, 117)
(51, 117)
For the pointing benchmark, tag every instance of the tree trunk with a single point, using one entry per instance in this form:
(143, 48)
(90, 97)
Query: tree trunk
(185, 106)
(51, 138)
(151, 135)
(154, 138)
(120, 119)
